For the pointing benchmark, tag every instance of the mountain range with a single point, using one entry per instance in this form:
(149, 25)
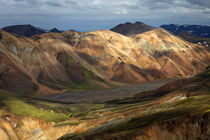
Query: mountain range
(192, 38)
(52, 62)
(197, 30)
(103, 85)
(198, 34)
(27, 30)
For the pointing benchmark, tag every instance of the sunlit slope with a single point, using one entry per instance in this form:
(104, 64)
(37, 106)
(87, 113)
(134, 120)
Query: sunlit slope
(98, 59)
(174, 55)
(28, 66)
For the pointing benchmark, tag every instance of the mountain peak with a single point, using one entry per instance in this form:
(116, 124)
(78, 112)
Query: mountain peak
(55, 30)
(138, 22)
(130, 29)
(27, 30)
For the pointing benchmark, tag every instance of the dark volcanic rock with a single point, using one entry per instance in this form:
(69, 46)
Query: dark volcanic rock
(129, 29)
(55, 30)
(25, 30)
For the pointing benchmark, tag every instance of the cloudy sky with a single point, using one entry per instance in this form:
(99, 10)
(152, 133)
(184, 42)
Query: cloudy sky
(86, 15)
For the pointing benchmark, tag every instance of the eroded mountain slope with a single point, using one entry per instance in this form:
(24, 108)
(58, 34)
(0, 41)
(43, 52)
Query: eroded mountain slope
(175, 56)
(75, 60)
(179, 110)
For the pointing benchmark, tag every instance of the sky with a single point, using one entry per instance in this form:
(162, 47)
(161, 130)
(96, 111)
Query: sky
(87, 15)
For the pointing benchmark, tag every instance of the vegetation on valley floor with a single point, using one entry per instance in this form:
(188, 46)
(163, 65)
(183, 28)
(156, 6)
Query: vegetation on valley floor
(144, 110)
(196, 105)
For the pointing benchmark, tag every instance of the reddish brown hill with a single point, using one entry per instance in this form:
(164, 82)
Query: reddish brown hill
(175, 56)
(74, 60)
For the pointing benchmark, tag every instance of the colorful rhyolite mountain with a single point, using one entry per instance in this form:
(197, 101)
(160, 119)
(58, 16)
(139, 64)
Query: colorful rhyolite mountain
(51, 62)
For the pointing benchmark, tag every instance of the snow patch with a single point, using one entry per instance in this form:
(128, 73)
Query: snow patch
(205, 34)
(182, 98)
(190, 32)
(177, 97)
(8, 119)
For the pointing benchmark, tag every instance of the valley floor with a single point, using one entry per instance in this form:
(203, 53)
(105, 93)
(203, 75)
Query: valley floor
(97, 96)
(178, 109)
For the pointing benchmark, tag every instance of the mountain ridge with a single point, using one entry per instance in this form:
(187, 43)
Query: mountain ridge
(27, 30)
(101, 58)
(197, 30)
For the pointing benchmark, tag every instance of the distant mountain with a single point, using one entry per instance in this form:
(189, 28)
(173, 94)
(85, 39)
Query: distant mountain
(25, 30)
(195, 39)
(129, 29)
(55, 30)
(197, 30)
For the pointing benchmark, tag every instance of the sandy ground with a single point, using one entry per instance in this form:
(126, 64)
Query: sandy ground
(106, 95)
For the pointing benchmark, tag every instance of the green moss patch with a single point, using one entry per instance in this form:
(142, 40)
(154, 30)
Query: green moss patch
(198, 49)
(84, 109)
(58, 86)
(1, 112)
(17, 106)
(89, 74)
(69, 58)
(131, 100)
(67, 123)
(20, 108)
(197, 105)
(203, 75)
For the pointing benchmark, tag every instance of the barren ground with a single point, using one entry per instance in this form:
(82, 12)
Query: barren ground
(106, 95)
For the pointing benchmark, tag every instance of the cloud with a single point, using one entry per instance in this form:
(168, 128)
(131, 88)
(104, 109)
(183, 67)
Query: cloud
(193, 4)
(126, 4)
(45, 3)
(71, 2)
(24, 3)
(121, 12)
(96, 4)
(19, 0)
(90, 13)
(203, 3)
(207, 11)
(54, 3)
